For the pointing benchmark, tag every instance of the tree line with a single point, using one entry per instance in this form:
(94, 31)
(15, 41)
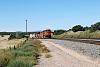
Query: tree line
(92, 28)
(14, 35)
(8, 33)
(76, 28)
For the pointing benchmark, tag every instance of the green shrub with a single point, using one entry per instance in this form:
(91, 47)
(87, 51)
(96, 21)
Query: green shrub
(87, 28)
(78, 28)
(27, 50)
(30, 59)
(12, 36)
(20, 35)
(19, 63)
(21, 53)
(58, 32)
(95, 27)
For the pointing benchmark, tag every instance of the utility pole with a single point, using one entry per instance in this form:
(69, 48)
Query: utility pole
(26, 30)
(26, 26)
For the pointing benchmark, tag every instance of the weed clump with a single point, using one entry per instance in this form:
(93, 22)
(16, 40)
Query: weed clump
(5, 57)
(48, 55)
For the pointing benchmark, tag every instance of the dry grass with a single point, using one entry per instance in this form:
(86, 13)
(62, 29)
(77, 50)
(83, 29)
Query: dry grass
(28, 50)
(5, 43)
(80, 34)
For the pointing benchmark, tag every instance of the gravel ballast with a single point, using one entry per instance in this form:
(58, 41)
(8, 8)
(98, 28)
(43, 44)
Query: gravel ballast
(86, 49)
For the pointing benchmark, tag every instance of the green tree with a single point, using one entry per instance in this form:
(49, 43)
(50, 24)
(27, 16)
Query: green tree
(12, 36)
(19, 35)
(86, 28)
(58, 32)
(69, 30)
(77, 28)
(95, 27)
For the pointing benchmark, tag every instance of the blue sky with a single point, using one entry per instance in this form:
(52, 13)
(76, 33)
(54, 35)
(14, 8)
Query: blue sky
(42, 14)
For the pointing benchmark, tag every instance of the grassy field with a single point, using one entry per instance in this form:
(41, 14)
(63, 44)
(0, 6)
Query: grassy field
(5, 43)
(24, 54)
(79, 35)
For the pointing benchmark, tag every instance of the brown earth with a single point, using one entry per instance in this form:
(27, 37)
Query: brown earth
(62, 57)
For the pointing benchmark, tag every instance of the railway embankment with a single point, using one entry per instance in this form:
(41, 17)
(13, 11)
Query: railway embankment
(86, 49)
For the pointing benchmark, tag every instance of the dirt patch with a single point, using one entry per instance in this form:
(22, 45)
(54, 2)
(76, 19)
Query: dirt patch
(62, 57)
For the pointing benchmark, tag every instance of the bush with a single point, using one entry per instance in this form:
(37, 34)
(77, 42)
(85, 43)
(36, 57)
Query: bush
(19, 63)
(48, 55)
(5, 57)
(21, 53)
(87, 28)
(77, 28)
(26, 50)
(20, 35)
(95, 27)
(30, 59)
(12, 36)
(58, 32)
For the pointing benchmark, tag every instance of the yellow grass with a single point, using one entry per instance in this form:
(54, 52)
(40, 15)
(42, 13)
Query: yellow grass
(5, 43)
(80, 34)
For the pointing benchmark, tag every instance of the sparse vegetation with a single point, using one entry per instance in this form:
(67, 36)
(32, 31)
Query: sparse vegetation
(48, 55)
(26, 55)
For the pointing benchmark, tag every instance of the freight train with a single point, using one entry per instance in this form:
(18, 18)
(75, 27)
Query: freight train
(43, 34)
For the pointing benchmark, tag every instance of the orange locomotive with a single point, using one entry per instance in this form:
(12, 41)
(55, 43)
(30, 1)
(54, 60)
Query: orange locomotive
(44, 34)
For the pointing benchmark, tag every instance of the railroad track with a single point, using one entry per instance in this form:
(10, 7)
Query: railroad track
(90, 41)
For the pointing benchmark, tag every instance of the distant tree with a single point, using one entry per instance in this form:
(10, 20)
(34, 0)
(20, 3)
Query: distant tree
(77, 28)
(19, 35)
(12, 36)
(58, 32)
(69, 30)
(95, 27)
(86, 28)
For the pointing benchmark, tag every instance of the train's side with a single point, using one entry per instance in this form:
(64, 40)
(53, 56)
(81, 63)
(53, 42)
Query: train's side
(43, 34)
